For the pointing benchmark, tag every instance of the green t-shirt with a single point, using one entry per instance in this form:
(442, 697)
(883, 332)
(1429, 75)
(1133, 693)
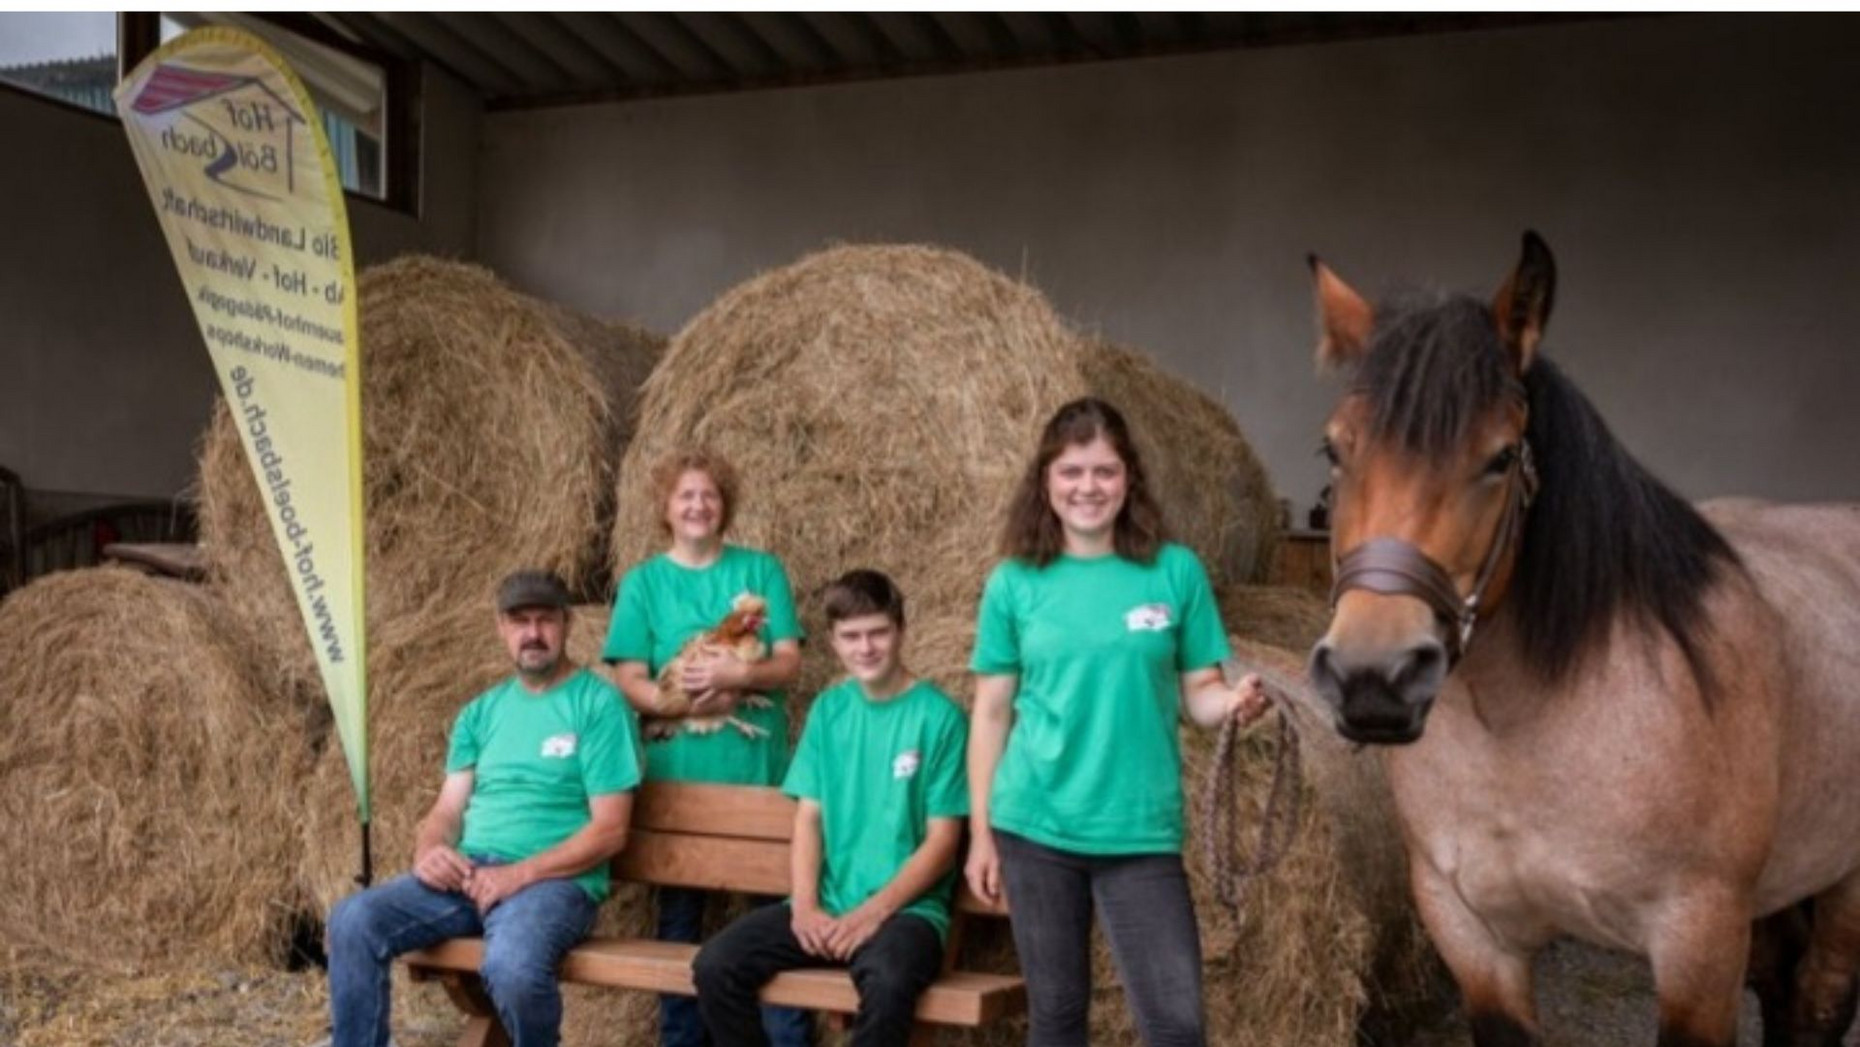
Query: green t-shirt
(535, 761)
(661, 604)
(1093, 763)
(880, 771)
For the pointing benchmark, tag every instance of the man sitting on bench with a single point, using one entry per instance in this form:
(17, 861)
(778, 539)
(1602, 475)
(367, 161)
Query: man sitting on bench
(536, 800)
(882, 790)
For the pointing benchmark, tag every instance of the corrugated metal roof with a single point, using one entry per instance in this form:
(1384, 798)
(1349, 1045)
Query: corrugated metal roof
(534, 59)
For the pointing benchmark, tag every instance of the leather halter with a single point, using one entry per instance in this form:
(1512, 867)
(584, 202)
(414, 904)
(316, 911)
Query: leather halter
(1394, 567)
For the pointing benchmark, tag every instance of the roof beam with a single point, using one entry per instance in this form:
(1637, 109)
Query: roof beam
(1159, 29)
(677, 45)
(619, 47)
(975, 36)
(1097, 30)
(334, 25)
(549, 35)
(370, 30)
(916, 37)
(854, 45)
(540, 72)
(1033, 32)
(796, 41)
(729, 36)
(456, 54)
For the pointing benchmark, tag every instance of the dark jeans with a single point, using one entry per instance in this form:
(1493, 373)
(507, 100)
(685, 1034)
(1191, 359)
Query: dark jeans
(525, 937)
(681, 919)
(1144, 904)
(891, 971)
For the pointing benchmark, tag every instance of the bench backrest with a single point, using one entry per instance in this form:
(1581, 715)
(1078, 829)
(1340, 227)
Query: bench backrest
(724, 838)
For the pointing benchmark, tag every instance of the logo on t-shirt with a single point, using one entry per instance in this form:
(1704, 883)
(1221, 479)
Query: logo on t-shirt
(906, 764)
(560, 746)
(1148, 618)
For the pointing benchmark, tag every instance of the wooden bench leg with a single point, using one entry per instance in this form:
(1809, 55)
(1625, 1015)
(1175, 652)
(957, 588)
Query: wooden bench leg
(482, 1029)
(923, 1034)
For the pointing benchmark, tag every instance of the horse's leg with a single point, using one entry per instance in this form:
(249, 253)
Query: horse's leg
(1699, 951)
(1777, 944)
(1494, 978)
(1824, 998)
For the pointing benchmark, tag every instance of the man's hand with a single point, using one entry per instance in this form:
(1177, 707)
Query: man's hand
(713, 672)
(853, 930)
(812, 928)
(489, 884)
(442, 869)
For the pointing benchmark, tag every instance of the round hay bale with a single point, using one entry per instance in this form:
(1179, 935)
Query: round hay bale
(878, 402)
(148, 778)
(491, 424)
(1213, 489)
(1273, 614)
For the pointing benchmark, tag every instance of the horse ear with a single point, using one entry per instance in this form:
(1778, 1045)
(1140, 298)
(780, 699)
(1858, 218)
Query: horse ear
(1344, 319)
(1522, 307)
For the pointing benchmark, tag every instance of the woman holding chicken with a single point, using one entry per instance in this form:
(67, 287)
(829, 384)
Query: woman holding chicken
(1095, 636)
(665, 602)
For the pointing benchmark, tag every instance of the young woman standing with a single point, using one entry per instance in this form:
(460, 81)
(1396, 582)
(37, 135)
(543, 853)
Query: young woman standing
(1095, 635)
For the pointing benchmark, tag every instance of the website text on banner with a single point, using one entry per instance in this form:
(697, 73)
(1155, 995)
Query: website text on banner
(240, 174)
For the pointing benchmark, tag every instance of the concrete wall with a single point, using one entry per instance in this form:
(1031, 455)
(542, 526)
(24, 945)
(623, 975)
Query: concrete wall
(104, 382)
(1698, 177)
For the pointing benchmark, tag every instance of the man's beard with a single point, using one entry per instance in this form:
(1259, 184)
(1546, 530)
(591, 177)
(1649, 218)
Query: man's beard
(537, 671)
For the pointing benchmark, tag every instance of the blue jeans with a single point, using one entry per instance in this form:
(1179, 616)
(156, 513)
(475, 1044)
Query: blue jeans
(525, 937)
(681, 919)
(1143, 903)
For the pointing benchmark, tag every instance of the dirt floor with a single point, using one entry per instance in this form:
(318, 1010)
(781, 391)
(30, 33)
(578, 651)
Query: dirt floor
(1589, 998)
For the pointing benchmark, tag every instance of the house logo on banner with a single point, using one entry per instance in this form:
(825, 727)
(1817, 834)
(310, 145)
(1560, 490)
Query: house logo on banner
(261, 161)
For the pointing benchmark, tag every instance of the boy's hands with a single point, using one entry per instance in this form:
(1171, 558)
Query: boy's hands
(812, 928)
(835, 939)
(853, 930)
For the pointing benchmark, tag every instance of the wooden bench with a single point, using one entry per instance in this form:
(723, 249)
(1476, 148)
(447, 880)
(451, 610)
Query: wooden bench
(724, 838)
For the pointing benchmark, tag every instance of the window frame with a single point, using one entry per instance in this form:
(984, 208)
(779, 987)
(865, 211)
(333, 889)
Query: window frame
(69, 106)
(138, 34)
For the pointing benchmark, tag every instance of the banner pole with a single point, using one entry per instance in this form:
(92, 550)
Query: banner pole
(367, 875)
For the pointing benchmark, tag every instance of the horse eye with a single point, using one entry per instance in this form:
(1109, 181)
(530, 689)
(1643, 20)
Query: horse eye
(1501, 462)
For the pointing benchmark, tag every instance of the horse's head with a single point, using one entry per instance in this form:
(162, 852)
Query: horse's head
(1431, 476)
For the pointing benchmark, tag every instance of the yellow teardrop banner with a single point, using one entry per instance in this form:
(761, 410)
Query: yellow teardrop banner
(236, 162)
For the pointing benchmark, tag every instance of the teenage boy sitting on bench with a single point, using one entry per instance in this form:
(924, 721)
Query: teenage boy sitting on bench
(883, 794)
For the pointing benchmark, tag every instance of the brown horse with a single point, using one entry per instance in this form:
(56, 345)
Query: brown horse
(1608, 714)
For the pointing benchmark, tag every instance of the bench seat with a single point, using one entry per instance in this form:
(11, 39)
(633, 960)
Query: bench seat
(722, 838)
(962, 998)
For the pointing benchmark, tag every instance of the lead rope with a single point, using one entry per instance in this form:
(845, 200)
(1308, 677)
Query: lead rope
(1220, 816)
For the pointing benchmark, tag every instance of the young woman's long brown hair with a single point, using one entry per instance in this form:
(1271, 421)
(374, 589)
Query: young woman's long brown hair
(1034, 534)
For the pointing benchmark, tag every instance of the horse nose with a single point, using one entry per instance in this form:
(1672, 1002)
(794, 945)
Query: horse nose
(1382, 694)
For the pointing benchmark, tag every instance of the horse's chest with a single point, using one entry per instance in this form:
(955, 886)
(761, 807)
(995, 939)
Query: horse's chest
(1528, 867)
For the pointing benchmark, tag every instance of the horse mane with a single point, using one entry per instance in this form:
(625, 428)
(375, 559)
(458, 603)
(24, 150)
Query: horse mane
(1604, 538)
